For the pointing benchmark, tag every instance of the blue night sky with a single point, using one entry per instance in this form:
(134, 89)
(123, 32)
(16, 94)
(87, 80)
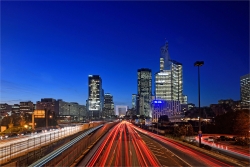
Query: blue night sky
(48, 49)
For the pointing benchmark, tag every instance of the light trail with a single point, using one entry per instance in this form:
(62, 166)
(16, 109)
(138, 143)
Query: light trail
(99, 151)
(209, 161)
(114, 150)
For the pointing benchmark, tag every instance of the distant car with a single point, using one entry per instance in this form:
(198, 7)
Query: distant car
(21, 133)
(224, 138)
(39, 131)
(13, 135)
(10, 135)
(234, 138)
(212, 139)
(3, 136)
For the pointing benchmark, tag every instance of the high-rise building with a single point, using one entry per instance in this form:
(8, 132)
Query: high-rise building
(48, 104)
(133, 101)
(108, 106)
(169, 80)
(144, 91)
(26, 107)
(74, 110)
(95, 96)
(245, 90)
(16, 108)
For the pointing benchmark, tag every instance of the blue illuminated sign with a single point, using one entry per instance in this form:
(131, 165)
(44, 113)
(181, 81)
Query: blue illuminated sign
(157, 101)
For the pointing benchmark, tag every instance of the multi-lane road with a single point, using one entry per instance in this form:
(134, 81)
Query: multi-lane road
(128, 145)
(14, 147)
(123, 147)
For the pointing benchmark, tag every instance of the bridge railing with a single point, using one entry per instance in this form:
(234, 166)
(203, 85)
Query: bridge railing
(46, 160)
(17, 149)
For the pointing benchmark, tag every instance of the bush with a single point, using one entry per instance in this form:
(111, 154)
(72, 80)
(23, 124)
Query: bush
(207, 147)
(242, 142)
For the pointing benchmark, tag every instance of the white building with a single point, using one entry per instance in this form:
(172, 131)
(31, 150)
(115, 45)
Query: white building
(121, 110)
(169, 80)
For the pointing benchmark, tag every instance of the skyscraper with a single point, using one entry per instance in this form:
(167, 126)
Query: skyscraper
(108, 105)
(245, 90)
(94, 98)
(144, 91)
(169, 80)
(134, 101)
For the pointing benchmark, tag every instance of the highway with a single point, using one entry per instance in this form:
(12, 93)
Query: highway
(191, 155)
(128, 145)
(225, 147)
(122, 147)
(13, 147)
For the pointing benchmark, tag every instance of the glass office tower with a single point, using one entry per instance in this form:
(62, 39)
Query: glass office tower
(144, 91)
(94, 99)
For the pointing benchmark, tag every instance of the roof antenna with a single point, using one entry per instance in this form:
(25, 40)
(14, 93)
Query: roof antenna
(166, 41)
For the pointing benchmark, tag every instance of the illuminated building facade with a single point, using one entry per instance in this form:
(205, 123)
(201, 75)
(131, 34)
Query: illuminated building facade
(108, 106)
(134, 101)
(170, 108)
(26, 107)
(121, 110)
(169, 80)
(144, 91)
(245, 90)
(48, 104)
(95, 96)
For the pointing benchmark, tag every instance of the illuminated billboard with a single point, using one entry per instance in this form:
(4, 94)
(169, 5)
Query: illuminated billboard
(39, 113)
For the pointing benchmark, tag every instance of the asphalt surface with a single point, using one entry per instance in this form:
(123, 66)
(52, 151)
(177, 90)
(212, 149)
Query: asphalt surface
(128, 145)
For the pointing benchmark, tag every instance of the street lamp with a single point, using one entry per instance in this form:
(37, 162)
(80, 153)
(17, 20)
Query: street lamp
(198, 64)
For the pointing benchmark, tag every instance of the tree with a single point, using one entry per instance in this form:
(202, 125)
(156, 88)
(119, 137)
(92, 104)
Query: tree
(5, 121)
(224, 123)
(242, 123)
(189, 130)
(180, 131)
(22, 121)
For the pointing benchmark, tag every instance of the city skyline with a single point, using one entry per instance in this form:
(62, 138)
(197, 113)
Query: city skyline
(49, 48)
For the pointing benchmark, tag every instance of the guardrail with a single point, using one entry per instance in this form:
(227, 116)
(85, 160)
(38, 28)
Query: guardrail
(60, 150)
(24, 146)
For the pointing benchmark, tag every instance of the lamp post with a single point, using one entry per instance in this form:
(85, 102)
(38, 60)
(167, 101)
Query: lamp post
(198, 64)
